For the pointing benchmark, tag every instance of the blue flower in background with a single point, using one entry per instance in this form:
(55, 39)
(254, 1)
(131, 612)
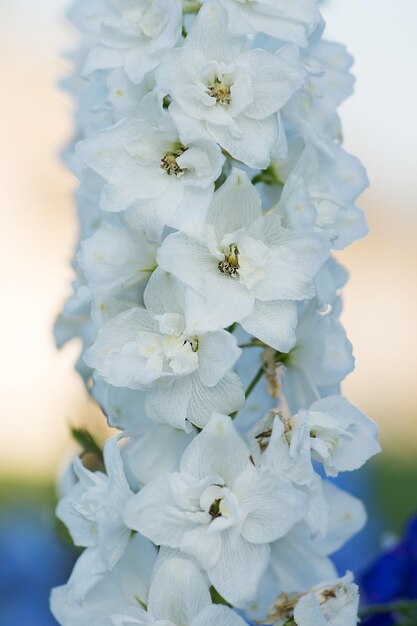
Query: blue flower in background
(32, 560)
(392, 577)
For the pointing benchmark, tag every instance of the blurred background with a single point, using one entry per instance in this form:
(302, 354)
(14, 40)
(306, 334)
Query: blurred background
(40, 392)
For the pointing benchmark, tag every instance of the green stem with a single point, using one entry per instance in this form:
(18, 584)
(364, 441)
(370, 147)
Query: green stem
(191, 7)
(253, 344)
(395, 607)
(254, 382)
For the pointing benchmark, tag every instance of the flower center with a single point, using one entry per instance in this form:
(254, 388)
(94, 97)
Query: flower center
(220, 91)
(215, 509)
(169, 162)
(169, 349)
(263, 439)
(230, 263)
(193, 342)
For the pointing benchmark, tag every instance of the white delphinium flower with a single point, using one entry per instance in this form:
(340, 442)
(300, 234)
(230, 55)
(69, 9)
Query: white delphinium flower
(224, 91)
(148, 167)
(321, 193)
(220, 509)
(188, 374)
(151, 449)
(246, 267)
(270, 442)
(92, 511)
(334, 603)
(117, 261)
(331, 431)
(161, 119)
(124, 97)
(178, 596)
(288, 21)
(312, 111)
(319, 361)
(121, 589)
(132, 34)
(329, 282)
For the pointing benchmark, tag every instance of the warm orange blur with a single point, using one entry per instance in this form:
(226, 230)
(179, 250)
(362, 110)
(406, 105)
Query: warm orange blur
(40, 391)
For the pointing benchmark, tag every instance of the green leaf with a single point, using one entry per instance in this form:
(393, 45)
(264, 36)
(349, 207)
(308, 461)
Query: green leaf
(216, 598)
(87, 443)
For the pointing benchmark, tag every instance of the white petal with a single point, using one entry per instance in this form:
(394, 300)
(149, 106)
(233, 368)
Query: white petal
(219, 615)
(237, 573)
(155, 452)
(362, 443)
(228, 396)
(274, 81)
(150, 512)
(167, 403)
(202, 545)
(291, 267)
(210, 35)
(289, 557)
(227, 301)
(102, 151)
(274, 323)
(273, 506)
(217, 354)
(164, 294)
(218, 449)
(178, 592)
(114, 355)
(236, 204)
(255, 142)
(347, 516)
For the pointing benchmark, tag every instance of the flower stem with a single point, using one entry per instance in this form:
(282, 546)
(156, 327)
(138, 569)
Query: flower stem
(395, 607)
(253, 344)
(254, 382)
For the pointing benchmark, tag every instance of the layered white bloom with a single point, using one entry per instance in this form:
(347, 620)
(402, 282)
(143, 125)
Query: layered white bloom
(178, 596)
(124, 97)
(92, 512)
(220, 509)
(148, 167)
(313, 110)
(329, 282)
(331, 604)
(187, 374)
(288, 21)
(171, 94)
(121, 589)
(321, 193)
(151, 449)
(117, 262)
(245, 266)
(270, 441)
(224, 91)
(132, 34)
(320, 360)
(332, 432)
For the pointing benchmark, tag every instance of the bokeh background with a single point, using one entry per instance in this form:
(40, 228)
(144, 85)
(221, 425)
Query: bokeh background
(40, 392)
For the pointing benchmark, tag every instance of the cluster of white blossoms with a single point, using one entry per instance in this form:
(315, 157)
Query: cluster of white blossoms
(213, 190)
